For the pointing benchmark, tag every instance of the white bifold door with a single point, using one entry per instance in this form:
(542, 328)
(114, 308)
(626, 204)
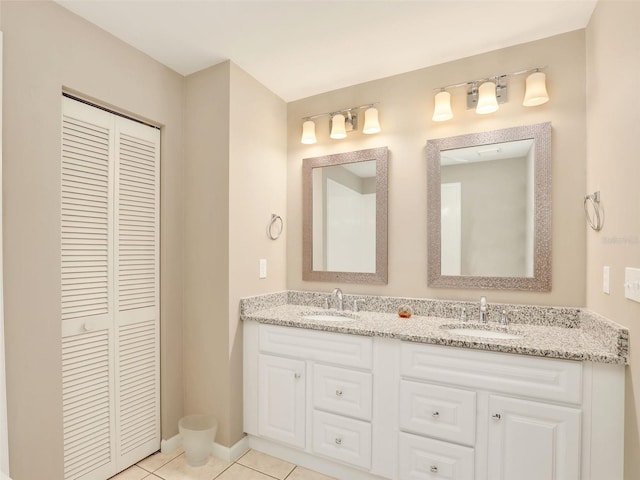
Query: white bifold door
(110, 291)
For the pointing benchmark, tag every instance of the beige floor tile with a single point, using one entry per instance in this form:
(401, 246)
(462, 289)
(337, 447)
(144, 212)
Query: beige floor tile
(178, 469)
(266, 464)
(131, 473)
(303, 474)
(152, 477)
(238, 472)
(158, 459)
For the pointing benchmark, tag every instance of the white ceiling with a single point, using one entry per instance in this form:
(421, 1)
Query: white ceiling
(299, 48)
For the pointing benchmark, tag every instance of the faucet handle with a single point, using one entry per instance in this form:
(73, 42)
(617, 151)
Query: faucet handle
(504, 319)
(326, 303)
(463, 315)
(356, 304)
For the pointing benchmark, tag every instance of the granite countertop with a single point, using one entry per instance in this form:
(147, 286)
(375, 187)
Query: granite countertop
(593, 340)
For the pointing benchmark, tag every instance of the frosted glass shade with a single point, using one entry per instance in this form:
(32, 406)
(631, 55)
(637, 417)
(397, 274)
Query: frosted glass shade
(371, 124)
(337, 127)
(308, 133)
(536, 90)
(487, 101)
(442, 110)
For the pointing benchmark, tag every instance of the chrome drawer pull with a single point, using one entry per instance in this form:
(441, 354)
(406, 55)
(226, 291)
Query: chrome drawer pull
(435, 414)
(338, 393)
(338, 441)
(434, 469)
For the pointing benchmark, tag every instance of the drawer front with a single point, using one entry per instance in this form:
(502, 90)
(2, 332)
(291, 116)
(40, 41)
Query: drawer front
(328, 347)
(342, 438)
(342, 391)
(426, 459)
(440, 412)
(544, 378)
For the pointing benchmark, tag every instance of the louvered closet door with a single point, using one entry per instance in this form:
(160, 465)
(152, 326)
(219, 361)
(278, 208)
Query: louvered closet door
(86, 286)
(110, 294)
(137, 289)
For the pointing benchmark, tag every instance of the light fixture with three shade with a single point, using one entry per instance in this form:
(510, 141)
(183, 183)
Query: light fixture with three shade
(484, 95)
(342, 122)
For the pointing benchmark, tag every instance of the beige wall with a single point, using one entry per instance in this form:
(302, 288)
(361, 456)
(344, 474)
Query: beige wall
(206, 267)
(47, 48)
(613, 168)
(406, 106)
(257, 188)
(235, 153)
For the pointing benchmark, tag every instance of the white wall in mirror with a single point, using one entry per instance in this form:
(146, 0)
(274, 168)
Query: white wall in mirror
(344, 217)
(496, 209)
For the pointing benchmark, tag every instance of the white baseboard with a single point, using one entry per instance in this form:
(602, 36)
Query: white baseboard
(229, 454)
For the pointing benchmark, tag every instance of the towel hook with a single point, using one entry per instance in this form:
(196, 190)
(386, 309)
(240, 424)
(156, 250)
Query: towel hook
(274, 230)
(596, 221)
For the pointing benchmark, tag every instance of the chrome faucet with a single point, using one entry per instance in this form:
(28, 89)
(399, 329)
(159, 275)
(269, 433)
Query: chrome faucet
(337, 299)
(484, 314)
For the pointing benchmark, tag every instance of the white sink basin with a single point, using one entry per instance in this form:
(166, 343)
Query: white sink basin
(327, 317)
(479, 333)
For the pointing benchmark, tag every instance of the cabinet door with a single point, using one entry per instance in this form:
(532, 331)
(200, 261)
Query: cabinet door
(281, 399)
(533, 441)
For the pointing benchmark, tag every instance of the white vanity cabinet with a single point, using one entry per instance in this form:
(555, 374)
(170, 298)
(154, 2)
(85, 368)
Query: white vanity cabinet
(366, 408)
(314, 392)
(281, 399)
(525, 418)
(532, 440)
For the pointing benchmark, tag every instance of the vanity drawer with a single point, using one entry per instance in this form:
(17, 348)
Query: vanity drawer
(342, 438)
(328, 347)
(543, 378)
(342, 391)
(426, 459)
(440, 412)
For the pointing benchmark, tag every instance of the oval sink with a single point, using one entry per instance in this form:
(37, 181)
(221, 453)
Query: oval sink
(479, 333)
(327, 317)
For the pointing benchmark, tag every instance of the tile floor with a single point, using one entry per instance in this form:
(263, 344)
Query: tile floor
(253, 465)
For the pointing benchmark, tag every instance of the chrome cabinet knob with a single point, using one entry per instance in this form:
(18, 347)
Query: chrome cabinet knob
(297, 376)
(435, 414)
(338, 393)
(496, 416)
(434, 469)
(338, 441)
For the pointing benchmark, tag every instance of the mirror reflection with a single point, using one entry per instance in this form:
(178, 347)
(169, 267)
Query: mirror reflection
(345, 217)
(489, 209)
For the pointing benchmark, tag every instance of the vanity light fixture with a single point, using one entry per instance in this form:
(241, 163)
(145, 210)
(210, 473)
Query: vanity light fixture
(338, 128)
(342, 122)
(536, 90)
(485, 94)
(308, 133)
(442, 110)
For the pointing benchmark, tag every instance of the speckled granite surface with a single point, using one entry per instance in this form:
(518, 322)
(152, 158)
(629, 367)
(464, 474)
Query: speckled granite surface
(557, 332)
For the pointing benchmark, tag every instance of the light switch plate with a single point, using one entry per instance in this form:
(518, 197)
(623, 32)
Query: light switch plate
(606, 280)
(632, 284)
(263, 268)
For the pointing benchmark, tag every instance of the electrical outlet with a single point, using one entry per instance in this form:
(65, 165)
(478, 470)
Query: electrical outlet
(606, 280)
(263, 268)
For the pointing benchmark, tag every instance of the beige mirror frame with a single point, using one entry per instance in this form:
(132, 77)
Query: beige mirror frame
(380, 276)
(541, 279)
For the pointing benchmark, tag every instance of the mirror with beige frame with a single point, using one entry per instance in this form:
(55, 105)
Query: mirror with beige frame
(345, 217)
(489, 209)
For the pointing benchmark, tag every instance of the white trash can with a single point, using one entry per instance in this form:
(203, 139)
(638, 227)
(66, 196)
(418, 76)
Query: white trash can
(198, 433)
